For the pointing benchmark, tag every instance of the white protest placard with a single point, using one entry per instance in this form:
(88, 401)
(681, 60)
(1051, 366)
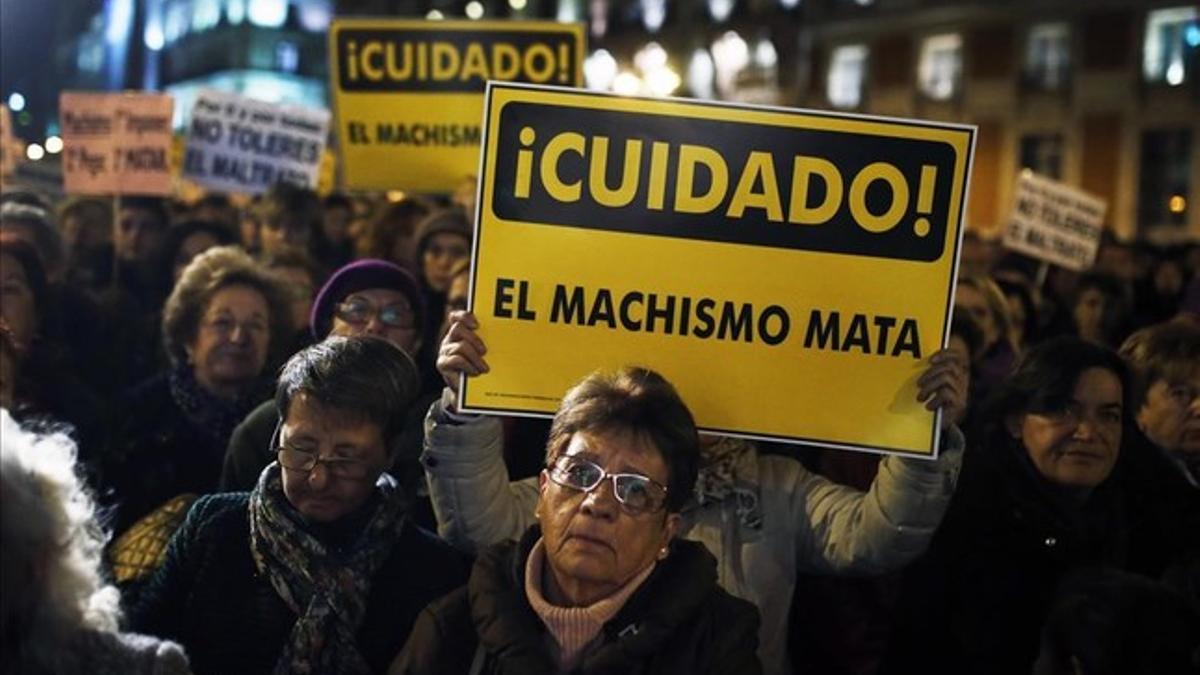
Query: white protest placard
(237, 144)
(1055, 223)
(9, 147)
(116, 143)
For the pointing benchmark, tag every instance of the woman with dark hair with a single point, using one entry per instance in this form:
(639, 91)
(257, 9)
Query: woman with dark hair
(1101, 310)
(1043, 495)
(190, 238)
(443, 240)
(225, 322)
(600, 583)
(46, 386)
(317, 569)
(391, 234)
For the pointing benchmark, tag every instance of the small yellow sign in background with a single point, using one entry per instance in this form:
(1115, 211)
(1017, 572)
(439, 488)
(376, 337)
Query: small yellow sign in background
(408, 94)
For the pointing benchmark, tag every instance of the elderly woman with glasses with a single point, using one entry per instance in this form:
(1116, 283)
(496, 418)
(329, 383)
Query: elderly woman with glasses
(366, 297)
(227, 321)
(765, 517)
(600, 583)
(317, 569)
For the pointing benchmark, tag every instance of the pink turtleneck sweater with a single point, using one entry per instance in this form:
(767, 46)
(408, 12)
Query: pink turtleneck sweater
(573, 628)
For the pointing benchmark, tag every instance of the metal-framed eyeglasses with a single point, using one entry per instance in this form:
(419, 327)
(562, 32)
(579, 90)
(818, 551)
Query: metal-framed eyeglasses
(635, 493)
(304, 461)
(359, 311)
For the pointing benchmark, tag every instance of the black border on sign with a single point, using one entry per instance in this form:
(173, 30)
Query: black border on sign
(971, 131)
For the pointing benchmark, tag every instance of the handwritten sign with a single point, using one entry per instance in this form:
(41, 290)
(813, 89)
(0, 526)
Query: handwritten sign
(1055, 222)
(237, 144)
(116, 143)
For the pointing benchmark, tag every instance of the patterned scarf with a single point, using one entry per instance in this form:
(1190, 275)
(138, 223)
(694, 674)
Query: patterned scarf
(329, 593)
(729, 471)
(215, 415)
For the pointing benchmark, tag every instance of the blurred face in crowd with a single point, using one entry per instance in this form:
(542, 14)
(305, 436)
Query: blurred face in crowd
(443, 250)
(383, 312)
(336, 223)
(230, 348)
(1168, 278)
(251, 233)
(1118, 261)
(594, 544)
(975, 303)
(300, 287)
(1076, 447)
(350, 457)
(1089, 315)
(1170, 416)
(17, 305)
(139, 235)
(195, 244)
(81, 232)
(456, 297)
(288, 231)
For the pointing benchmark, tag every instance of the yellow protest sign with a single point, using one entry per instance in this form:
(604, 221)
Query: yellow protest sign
(789, 271)
(408, 94)
(118, 143)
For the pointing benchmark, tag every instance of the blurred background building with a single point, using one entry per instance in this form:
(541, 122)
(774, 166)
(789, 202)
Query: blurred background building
(1102, 94)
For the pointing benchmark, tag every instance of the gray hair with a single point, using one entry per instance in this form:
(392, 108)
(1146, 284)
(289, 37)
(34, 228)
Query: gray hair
(53, 545)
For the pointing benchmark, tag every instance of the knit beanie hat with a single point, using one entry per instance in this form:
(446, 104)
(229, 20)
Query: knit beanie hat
(450, 221)
(361, 275)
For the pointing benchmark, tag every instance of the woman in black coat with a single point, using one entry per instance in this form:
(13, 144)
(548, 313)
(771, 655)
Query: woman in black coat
(1047, 493)
(318, 569)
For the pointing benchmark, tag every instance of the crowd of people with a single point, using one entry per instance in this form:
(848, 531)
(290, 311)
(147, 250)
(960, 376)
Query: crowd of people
(231, 444)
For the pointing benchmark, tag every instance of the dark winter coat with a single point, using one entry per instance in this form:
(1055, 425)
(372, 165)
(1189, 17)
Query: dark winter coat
(159, 452)
(977, 600)
(209, 597)
(678, 621)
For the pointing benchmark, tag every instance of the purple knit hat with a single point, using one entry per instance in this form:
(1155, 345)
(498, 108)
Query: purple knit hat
(361, 275)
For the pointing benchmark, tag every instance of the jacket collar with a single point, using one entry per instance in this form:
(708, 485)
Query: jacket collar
(511, 632)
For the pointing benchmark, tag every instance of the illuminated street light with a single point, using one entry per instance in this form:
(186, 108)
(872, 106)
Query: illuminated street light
(16, 101)
(434, 15)
(517, 4)
(474, 10)
(54, 144)
(650, 58)
(1175, 73)
(599, 69)
(627, 84)
(662, 81)
(1177, 204)
(720, 10)
(700, 74)
(765, 55)
(35, 152)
